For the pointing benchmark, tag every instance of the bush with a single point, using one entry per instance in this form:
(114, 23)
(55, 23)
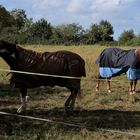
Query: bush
(126, 36)
(134, 42)
(109, 43)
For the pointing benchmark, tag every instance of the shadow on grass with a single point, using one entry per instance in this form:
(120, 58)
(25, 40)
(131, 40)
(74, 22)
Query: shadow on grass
(91, 119)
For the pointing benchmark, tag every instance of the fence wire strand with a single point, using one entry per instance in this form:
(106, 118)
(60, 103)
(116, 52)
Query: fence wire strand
(71, 124)
(56, 76)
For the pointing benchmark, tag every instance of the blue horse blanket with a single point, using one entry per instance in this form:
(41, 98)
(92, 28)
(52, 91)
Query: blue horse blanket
(115, 61)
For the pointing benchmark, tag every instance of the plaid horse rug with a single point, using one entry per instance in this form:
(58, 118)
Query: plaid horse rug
(115, 61)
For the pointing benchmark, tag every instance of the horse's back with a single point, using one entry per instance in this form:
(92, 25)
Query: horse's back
(61, 63)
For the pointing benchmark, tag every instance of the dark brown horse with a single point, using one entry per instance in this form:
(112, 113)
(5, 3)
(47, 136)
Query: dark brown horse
(61, 63)
(115, 61)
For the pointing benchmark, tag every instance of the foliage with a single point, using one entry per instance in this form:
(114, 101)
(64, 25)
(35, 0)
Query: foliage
(15, 26)
(40, 30)
(134, 41)
(106, 30)
(24, 35)
(6, 20)
(23, 30)
(126, 36)
(101, 32)
(7, 25)
(68, 32)
(20, 18)
(93, 34)
(9, 34)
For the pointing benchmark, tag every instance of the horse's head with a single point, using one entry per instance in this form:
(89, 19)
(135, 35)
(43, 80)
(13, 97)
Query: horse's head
(8, 53)
(7, 48)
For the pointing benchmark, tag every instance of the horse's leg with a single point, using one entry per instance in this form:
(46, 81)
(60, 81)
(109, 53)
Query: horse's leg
(74, 95)
(108, 86)
(130, 87)
(134, 86)
(69, 104)
(23, 93)
(97, 84)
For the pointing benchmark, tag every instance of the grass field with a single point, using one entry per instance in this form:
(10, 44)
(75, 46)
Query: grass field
(116, 110)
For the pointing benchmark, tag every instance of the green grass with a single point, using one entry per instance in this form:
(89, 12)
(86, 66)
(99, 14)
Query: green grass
(117, 110)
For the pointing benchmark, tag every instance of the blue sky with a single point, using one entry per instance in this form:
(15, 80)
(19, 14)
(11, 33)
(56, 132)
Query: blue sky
(122, 14)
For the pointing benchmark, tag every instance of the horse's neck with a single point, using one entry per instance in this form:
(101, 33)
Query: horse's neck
(26, 58)
(10, 60)
(22, 53)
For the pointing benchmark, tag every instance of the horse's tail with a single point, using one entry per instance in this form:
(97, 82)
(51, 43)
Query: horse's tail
(83, 71)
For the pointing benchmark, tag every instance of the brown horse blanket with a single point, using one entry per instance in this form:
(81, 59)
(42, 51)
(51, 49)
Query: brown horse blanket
(63, 63)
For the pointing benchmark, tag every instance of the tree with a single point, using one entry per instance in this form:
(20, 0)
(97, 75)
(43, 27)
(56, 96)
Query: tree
(106, 30)
(93, 35)
(24, 33)
(68, 32)
(134, 41)
(20, 17)
(6, 20)
(101, 32)
(126, 36)
(41, 30)
(7, 25)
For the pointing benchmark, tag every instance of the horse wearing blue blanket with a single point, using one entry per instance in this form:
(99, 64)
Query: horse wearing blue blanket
(115, 61)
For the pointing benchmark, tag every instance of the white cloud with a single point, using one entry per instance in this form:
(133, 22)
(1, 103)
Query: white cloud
(76, 6)
(106, 5)
(46, 4)
(81, 6)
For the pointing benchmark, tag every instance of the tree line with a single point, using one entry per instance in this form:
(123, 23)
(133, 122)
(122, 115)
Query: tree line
(16, 27)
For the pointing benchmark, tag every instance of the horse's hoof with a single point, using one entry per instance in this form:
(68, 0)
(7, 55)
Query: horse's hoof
(109, 91)
(27, 98)
(132, 92)
(68, 110)
(97, 90)
(21, 109)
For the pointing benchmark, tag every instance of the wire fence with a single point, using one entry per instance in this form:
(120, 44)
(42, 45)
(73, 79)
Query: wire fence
(71, 124)
(60, 122)
(56, 76)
